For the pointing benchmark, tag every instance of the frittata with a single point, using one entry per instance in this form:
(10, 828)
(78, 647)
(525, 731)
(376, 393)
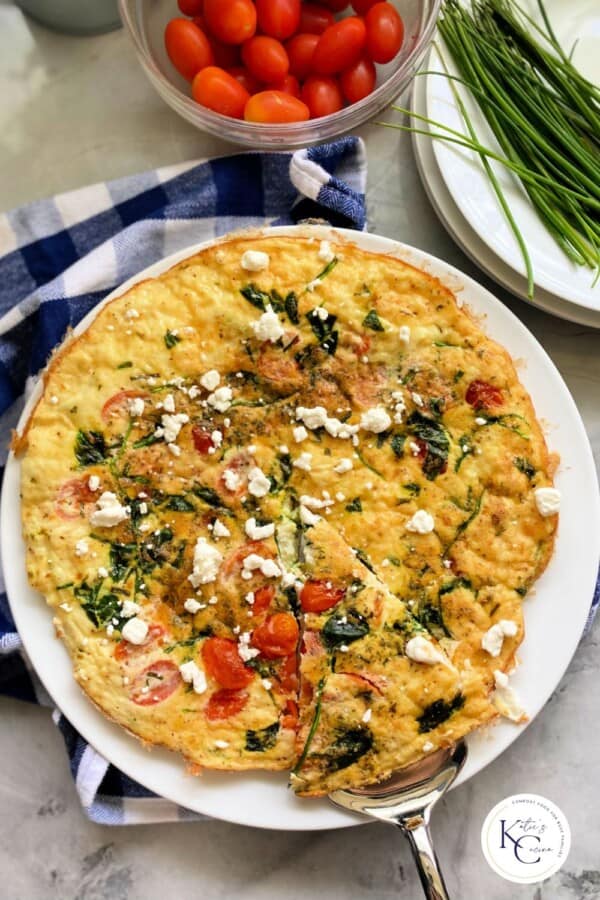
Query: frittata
(285, 502)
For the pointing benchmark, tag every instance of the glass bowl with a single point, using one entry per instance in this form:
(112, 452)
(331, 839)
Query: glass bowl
(145, 20)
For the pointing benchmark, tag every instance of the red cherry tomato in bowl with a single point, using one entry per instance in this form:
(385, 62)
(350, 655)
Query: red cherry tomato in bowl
(336, 5)
(362, 7)
(340, 46)
(245, 78)
(218, 90)
(265, 58)
(190, 7)
(187, 47)
(289, 85)
(359, 80)
(278, 18)
(322, 95)
(314, 19)
(385, 32)
(231, 21)
(275, 107)
(300, 50)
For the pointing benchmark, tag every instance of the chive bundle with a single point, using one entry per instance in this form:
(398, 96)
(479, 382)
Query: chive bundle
(544, 114)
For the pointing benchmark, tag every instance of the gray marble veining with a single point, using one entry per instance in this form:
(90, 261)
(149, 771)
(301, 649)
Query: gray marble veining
(73, 111)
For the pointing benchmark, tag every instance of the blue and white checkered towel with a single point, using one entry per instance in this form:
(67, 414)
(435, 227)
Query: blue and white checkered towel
(59, 257)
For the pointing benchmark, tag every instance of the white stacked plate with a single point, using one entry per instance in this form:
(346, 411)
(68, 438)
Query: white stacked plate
(463, 198)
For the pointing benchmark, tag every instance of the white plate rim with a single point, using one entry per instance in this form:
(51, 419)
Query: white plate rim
(469, 241)
(248, 798)
(459, 167)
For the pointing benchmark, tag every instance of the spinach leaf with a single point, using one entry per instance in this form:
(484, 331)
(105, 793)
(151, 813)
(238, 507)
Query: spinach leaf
(458, 375)
(453, 585)
(438, 712)
(413, 488)
(179, 503)
(90, 448)
(436, 405)
(290, 304)
(208, 495)
(328, 268)
(286, 466)
(431, 617)
(436, 440)
(508, 421)
(122, 557)
(313, 726)
(322, 328)
(344, 629)
(147, 441)
(524, 466)
(354, 505)
(466, 446)
(363, 558)
(262, 739)
(171, 338)
(255, 296)
(372, 321)
(397, 444)
(348, 747)
(99, 608)
(125, 365)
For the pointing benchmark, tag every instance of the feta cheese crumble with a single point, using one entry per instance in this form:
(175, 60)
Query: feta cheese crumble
(505, 699)
(219, 529)
(307, 517)
(168, 403)
(81, 547)
(375, 419)
(423, 651)
(404, 334)
(192, 605)
(170, 426)
(303, 462)
(259, 532)
(231, 479)
(300, 433)
(130, 608)
(547, 500)
(109, 511)
(344, 465)
(367, 715)
(135, 407)
(268, 327)
(207, 560)
(493, 639)
(135, 631)
(321, 313)
(210, 380)
(479, 420)
(254, 561)
(93, 483)
(325, 253)
(258, 483)
(255, 260)
(220, 399)
(221, 745)
(245, 651)
(421, 523)
(192, 674)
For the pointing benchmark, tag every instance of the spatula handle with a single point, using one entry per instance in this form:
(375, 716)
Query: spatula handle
(419, 838)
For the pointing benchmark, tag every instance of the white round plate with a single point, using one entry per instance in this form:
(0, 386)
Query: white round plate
(262, 800)
(469, 241)
(469, 185)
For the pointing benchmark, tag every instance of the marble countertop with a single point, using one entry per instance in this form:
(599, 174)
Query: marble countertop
(78, 110)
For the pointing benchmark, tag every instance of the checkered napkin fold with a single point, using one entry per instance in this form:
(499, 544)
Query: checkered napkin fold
(59, 257)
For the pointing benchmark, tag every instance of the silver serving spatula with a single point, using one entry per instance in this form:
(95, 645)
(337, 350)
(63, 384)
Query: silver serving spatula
(406, 800)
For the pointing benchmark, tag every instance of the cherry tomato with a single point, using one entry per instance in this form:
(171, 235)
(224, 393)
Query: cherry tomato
(118, 404)
(245, 78)
(278, 18)
(275, 106)
(155, 683)
(318, 595)
(226, 55)
(218, 90)
(483, 395)
(359, 80)
(314, 19)
(74, 498)
(190, 7)
(340, 46)
(290, 717)
(223, 663)
(287, 674)
(187, 47)
(300, 50)
(277, 636)
(336, 5)
(362, 7)
(202, 439)
(263, 597)
(385, 32)
(322, 95)
(287, 367)
(224, 704)
(265, 58)
(126, 651)
(231, 21)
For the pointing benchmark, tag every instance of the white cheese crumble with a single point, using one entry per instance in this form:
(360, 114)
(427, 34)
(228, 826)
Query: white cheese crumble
(255, 260)
(81, 547)
(231, 479)
(367, 715)
(93, 483)
(174, 450)
(479, 420)
(321, 313)
(102, 572)
(54, 399)
(109, 511)
(307, 517)
(171, 425)
(268, 327)
(316, 502)
(547, 500)
(168, 403)
(192, 605)
(192, 674)
(404, 334)
(266, 683)
(221, 745)
(217, 437)
(300, 433)
(246, 652)
(210, 380)
(130, 608)
(423, 651)
(375, 419)
(344, 465)
(325, 253)
(135, 407)
(493, 639)
(303, 462)
(132, 314)
(316, 417)
(220, 399)
(207, 560)
(135, 631)
(258, 483)
(505, 699)
(254, 561)
(219, 529)
(249, 598)
(428, 747)
(421, 523)
(259, 532)
(416, 399)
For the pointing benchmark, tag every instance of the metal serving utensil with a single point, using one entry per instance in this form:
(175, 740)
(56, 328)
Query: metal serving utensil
(406, 800)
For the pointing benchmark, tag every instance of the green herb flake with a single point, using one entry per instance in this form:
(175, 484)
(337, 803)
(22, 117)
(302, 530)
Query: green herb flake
(372, 321)
(262, 739)
(354, 505)
(171, 338)
(90, 448)
(397, 444)
(524, 466)
(125, 365)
